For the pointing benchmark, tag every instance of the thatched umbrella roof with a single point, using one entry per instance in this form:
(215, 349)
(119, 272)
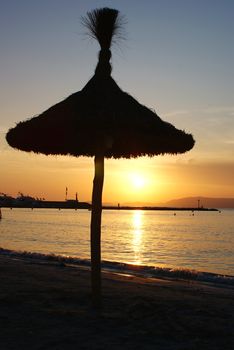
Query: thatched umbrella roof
(100, 116)
(101, 121)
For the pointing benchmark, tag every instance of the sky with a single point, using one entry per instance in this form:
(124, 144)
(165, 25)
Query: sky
(176, 58)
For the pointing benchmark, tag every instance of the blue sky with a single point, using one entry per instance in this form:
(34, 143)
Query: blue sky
(177, 59)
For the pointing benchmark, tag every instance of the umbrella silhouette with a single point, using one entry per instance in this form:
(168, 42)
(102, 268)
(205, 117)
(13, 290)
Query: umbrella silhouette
(100, 121)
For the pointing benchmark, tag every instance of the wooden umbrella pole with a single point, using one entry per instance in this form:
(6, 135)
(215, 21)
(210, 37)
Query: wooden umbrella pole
(96, 231)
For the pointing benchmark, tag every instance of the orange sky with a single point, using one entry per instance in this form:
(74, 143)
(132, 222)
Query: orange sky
(146, 180)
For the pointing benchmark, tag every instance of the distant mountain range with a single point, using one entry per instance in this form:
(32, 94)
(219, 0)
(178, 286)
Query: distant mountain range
(205, 202)
(190, 202)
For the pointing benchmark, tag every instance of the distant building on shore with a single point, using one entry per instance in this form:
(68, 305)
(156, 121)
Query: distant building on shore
(29, 202)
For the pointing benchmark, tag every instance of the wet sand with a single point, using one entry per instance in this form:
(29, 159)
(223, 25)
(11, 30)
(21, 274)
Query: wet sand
(47, 306)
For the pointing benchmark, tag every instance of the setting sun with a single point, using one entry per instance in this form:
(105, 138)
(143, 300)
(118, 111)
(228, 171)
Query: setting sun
(138, 181)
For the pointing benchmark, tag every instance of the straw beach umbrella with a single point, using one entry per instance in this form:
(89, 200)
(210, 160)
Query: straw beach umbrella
(100, 121)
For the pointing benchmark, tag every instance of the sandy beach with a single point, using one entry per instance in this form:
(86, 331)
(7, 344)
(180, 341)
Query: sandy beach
(47, 306)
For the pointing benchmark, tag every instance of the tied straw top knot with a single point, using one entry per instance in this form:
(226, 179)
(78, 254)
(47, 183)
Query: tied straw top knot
(105, 26)
(104, 67)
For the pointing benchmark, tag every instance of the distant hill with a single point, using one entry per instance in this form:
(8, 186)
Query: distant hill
(203, 201)
(187, 202)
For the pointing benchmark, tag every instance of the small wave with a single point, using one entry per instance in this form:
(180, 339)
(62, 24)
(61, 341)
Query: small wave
(118, 267)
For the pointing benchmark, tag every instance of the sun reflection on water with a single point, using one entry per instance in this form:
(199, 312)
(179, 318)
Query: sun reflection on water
(137, 222)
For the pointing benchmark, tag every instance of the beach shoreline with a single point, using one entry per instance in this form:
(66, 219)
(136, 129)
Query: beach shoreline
(47, 305)
(145, 271)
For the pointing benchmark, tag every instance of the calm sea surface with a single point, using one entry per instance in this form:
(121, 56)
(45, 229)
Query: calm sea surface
(202, 242)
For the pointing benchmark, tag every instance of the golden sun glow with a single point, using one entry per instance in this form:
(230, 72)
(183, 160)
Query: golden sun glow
(138, 181)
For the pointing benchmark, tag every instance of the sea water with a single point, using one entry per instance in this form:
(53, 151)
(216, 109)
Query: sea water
(200, 240)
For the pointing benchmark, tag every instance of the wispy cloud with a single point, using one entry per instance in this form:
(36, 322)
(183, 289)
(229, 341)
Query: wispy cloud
(212, 110)
(176, 113)
(227, 110)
